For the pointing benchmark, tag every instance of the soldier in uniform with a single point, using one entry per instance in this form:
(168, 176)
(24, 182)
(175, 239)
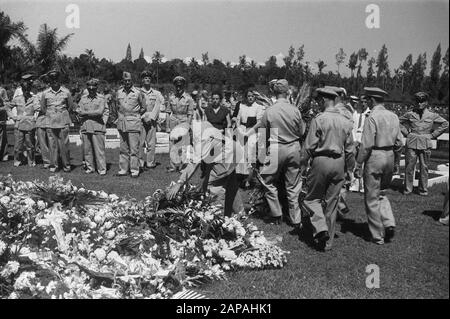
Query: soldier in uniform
(56, 102)
(154, 100)
(131, 105)
(41, 126)
(329, 145)
(381, 139)
(24, 122)
(344, 111)
(286, 127)
(91, 110)
(3, 119)
(218, 160)
(181, 110)
(417, 127)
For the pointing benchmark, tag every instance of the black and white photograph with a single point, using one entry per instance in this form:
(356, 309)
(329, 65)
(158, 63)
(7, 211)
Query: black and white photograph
(232, 152)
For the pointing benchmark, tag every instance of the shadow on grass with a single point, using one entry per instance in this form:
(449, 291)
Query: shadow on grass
(435, 214)
(358, 229)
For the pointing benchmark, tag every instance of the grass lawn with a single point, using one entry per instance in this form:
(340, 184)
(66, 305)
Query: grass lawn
(415, 265)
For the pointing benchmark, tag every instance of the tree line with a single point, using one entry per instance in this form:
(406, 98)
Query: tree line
(47, 52)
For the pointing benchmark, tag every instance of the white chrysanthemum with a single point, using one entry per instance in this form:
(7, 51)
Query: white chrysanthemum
(2, 247)
(9, 269)
(100, 254)
(25, 280)
(29, 202)
(5, 200)
(41, 204)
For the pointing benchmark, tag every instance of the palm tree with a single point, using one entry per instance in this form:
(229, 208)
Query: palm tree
(44, 54)
(320, 65)
(8, 31)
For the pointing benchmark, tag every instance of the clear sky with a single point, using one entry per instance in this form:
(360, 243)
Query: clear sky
(228, 29)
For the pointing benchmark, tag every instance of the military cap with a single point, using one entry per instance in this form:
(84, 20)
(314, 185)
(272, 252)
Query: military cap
(53, 74)
(27, 76)
(281, 86)
(195, 92)
(327, 92)
(179, 79)
(272, 82)
(338, 90)
(126, 76)
(375, 92)
(93, 82)
(146, 73)
(354, 98)
(421, 96)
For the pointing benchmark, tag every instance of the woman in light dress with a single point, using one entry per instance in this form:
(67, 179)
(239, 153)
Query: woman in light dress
(249, 114)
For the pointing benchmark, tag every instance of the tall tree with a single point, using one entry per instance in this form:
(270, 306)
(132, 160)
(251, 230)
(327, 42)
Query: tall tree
(362, 56)
(91, 61)
(141, 54)
(444, 80)
(288, 61)
(156, 60)
(44, 54)
(418, 73)
(405, 73)
(205, 58)
(320, 65)
(8, 30)
(340, 58)
(353, 60)
(382, 66)
(128, 56)
(435, 72)
(370, 70)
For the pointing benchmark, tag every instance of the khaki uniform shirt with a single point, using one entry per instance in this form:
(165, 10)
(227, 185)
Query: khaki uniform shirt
(56, 106)
(130, 107)
(42, 119)
(154, 100)
(26, 120)
(287, 119)
(93, 121)
(381, 130)
(181, 107)
(330, 135)
(419, 130)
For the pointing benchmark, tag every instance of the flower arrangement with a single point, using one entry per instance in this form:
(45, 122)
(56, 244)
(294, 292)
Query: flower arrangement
(61, 241)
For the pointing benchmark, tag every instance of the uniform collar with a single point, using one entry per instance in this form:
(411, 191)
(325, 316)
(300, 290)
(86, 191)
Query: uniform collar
(145, 91)
(378, 107)
(282, 99)
(59, 90)
(132, 89)
(89, 97)
(332, 109)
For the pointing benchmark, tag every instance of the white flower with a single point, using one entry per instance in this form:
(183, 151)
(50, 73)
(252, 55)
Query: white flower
(13, 295)
(41, 204)
(50, 287)
(227, 254)
(103, 194)
(24, 280)
(2, 247)
(100, 254)
(29, 202)
(5, 200)
(10, 268)
(110, 234)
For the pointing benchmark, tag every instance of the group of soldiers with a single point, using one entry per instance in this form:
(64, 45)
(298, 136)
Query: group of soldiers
(343, 142)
